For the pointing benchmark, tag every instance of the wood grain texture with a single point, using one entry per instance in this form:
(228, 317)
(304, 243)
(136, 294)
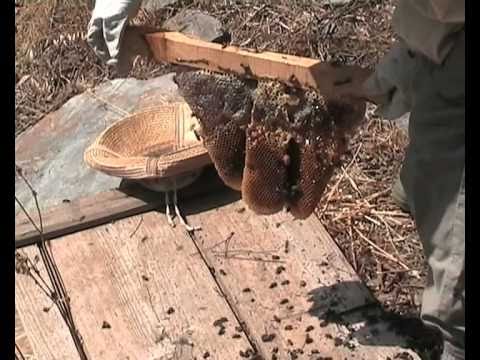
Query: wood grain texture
(285, 282)
(138, 290)
(90, 211)
(291, 284)
(176, 48)
(23, 348)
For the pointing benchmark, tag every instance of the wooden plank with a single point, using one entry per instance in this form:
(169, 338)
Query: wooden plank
(143, 296)
(101, 208)
(288, 280)
(176, 48)
(23, 348)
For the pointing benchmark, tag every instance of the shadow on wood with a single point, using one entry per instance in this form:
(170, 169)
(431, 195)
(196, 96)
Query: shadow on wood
(370, 325)
(130, 199)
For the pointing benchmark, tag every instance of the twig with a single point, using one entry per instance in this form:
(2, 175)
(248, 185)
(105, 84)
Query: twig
(334, 188)
(380, 250)
(391, 213)
(227, 243)
(137, 227)
(59, 293)
(105, 102)
(20, 354)
(251, 16)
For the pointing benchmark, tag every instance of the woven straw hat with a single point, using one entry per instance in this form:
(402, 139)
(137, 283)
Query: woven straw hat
(157, 143)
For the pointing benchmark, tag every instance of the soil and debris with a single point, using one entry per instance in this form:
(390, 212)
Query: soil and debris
(53, 63)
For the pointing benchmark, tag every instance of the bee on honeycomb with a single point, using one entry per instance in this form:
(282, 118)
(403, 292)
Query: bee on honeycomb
(278, 145)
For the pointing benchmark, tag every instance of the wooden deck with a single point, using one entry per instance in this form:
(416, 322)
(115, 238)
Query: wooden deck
(140, 289)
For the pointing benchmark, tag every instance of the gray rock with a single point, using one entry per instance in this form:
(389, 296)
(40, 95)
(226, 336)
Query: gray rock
(154, 5)
(196, 23)
(51, 152)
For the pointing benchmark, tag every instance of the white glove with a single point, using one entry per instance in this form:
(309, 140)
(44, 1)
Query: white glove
(392, 82)
(107, 25)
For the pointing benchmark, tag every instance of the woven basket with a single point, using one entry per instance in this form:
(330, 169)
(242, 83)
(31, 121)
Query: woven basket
(158, 143)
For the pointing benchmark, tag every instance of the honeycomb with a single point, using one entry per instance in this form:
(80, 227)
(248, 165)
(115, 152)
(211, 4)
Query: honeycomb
(278, 145)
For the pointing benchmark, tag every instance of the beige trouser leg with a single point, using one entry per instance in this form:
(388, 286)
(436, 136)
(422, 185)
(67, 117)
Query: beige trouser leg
(433, 176)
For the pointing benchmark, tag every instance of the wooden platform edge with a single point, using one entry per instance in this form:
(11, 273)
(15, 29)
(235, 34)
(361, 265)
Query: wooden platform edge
(87, 212)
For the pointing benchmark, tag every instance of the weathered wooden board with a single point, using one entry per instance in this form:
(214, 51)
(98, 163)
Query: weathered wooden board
(290, 283)
(23, 348)
(89, 211)
(284, 281)
(138, 290)
(176, 48)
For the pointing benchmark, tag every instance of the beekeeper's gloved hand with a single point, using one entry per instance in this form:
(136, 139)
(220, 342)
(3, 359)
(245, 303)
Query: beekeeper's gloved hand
(107, 26)
(390, 84)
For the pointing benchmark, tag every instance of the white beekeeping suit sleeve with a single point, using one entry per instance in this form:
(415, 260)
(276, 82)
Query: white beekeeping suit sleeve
(427, 27)
(107, 25)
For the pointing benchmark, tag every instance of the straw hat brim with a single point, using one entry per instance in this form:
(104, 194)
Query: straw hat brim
(157, 143)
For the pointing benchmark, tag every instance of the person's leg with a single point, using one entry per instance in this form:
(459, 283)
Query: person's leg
(433, 177)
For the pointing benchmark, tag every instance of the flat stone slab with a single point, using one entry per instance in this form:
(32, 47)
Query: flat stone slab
(51, 152)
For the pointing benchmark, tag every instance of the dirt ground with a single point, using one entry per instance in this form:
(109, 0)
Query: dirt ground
(53, 63)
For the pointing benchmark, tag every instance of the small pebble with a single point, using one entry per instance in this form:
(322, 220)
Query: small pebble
(223, 272)
(309, 328)
(206, 355)
(284, 301)
(236, 336)
(273, 285)
(170, 310)
(221, 331)
(303, 283)
(275, 257)
(145, 278)
(288, 327)
(246, 290)
(308, 339)
(277, 319)
(279, 270)
(285, 282)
